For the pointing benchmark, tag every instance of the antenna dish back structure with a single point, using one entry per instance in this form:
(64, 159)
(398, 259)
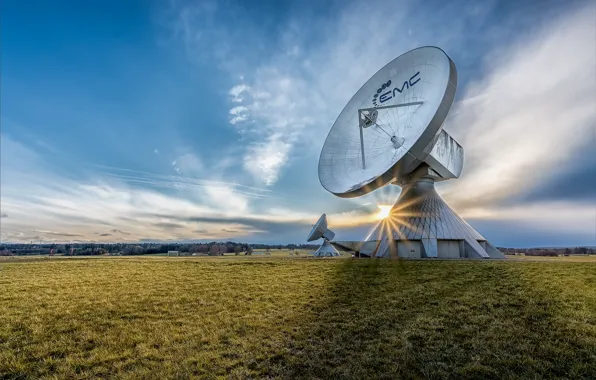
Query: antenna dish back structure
(320, 230)
(391, 131)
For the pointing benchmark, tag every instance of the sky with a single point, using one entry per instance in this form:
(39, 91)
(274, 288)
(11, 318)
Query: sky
(126, 121)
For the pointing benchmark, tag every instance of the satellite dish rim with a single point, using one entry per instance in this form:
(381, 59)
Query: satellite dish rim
(320, 230)
(425, 141)
(315, 227)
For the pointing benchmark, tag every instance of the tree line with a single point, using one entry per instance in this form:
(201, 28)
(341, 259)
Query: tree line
(210, 248)
(564, 251)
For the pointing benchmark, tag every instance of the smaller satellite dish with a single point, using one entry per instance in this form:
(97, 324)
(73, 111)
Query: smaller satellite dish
(320, 230)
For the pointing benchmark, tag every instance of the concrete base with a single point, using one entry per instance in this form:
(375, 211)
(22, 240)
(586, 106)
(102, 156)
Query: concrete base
(326, 250)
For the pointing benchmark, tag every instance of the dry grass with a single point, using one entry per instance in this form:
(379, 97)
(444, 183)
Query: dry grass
(296, 318)
(572, 258)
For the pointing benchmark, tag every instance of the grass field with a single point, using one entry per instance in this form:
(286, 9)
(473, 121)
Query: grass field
(160, 317)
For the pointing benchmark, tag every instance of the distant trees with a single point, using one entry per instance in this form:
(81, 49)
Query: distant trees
(216, 248)
(542, 252)
(134, 250)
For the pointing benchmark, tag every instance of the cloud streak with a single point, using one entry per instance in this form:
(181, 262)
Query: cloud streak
(532, 112)
(61, 234)
(181, 208)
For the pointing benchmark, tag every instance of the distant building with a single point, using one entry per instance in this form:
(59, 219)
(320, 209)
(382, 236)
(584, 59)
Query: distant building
(173, 253)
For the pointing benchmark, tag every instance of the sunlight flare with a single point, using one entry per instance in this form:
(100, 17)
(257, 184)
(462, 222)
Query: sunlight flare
(384, 211)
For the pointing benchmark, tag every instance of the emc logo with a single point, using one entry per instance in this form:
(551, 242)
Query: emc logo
(379, 98)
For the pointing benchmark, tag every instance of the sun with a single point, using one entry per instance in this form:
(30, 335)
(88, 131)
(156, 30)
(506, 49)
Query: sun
(384, 211)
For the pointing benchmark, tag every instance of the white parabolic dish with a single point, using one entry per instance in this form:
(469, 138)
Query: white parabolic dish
(320, 230)
(390, 125)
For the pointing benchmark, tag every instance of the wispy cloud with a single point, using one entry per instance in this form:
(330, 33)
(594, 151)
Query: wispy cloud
(168, 225)
(180, 182)
(561, 217)
(116, 231)
(238, 114)
(188, 164)
(238, 93)
(55, 233)
(532, 111)
(133, 205)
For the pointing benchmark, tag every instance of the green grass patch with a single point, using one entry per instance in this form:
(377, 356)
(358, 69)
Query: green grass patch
(159, 317)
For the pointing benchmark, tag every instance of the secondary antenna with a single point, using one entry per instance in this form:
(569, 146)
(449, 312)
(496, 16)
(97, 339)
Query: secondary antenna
(320, 230)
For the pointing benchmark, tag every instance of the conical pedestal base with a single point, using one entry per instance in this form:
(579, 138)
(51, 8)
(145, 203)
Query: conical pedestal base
(422, 225)
(326, 250)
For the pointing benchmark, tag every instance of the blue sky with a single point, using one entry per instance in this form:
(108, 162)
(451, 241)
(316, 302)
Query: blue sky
(138, 120)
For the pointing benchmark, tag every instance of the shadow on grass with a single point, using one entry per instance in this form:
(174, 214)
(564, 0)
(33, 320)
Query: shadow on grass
(445, 319)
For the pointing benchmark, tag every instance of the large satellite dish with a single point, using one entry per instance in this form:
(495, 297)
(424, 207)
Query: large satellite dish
(391, 131)
(390, 125)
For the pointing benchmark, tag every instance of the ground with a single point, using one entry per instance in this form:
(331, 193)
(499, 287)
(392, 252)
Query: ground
(282, 317)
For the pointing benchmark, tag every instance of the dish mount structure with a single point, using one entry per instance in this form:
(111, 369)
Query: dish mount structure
(391, 133)
(320, 230)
